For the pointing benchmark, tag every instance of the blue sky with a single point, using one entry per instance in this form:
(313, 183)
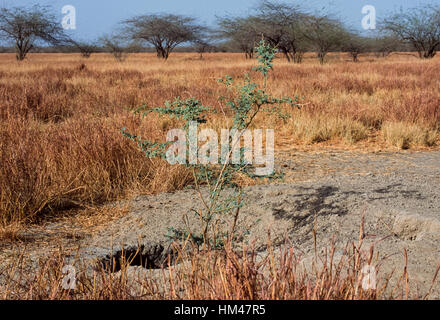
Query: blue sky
(97, 17)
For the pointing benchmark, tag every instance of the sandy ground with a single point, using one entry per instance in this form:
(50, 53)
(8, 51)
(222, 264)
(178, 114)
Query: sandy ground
(397, 193)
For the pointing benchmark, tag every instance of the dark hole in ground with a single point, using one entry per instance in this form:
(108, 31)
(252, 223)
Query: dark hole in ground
(146, 256)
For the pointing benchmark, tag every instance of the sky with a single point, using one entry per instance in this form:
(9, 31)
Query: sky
(97, 17)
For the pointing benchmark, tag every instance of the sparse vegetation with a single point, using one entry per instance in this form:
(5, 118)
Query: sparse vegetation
(86, 48)
(245, 101)
(55, 107)
(419, 27)
(61, 146)
(28, 27)
(227, 274)
(164, 32)
(405, 135)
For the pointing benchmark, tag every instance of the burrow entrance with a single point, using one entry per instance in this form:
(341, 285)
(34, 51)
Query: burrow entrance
(146, 256)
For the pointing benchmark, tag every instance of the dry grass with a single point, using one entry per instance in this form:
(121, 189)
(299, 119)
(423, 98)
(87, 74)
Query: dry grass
(60, 117)
(407, 135)
(310, 129)
(226, 274)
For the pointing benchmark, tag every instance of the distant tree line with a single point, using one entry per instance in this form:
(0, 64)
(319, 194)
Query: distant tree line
(289, 28)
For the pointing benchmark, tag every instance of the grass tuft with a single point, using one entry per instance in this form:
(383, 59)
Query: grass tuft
(406, 135)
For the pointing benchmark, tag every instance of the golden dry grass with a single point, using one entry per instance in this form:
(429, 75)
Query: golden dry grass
(61, 115)
(208, 274)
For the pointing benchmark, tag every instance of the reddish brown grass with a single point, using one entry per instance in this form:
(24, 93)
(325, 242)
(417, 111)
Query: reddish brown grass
(60, 141)
(226, 274)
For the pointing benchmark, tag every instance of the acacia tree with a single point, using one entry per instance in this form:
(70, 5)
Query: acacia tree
(241, 32)
(325, 35)
(202, 46)
(86, 48)
(115, 46)
(385, 45)
(203, 43)
(283, 26)
(163, 31)
(419, 27)
(354, 44)
(29, 27)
